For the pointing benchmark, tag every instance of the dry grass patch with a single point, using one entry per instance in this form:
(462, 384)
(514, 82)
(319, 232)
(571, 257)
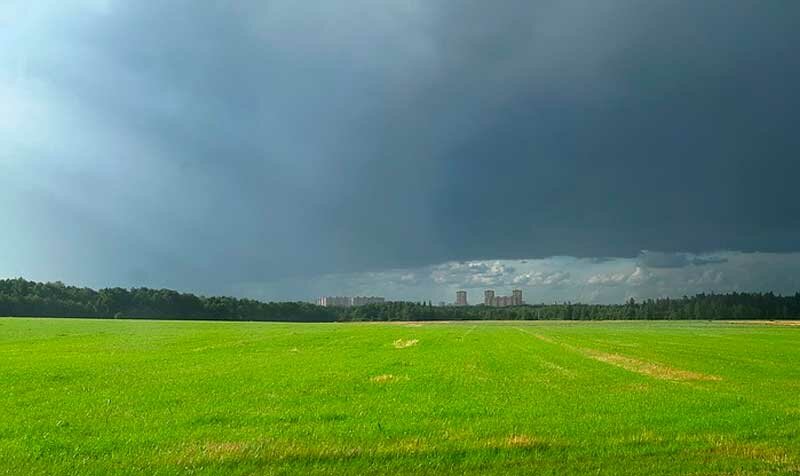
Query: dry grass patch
(647, 436)
(517, 441)
(260, 450)
(768, 323)
(651, 369)
(212, 451)
(403, 344)
(523, 441)
(223, 450)
(387, 378)
(641, 438)
(405, 446)
(755, 451)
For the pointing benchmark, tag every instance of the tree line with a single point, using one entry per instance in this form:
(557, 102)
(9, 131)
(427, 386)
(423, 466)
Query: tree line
(19, 297)
(22, 298)
(701, 306)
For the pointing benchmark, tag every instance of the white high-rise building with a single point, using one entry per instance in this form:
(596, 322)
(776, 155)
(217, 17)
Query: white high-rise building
(461, 298)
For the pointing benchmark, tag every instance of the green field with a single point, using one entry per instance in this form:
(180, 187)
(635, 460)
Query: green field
(164, 397)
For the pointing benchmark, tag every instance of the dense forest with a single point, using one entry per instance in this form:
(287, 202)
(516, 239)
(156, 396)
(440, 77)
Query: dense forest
(19, 297)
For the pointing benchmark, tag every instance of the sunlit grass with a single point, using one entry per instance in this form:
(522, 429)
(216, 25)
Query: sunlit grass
(145, 397)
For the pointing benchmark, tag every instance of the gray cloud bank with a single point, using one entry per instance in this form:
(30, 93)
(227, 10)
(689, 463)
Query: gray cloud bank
(196, 145)
(656, 259)
(555, 279)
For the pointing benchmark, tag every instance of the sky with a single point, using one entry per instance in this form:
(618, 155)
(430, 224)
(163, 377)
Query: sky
(580, 150)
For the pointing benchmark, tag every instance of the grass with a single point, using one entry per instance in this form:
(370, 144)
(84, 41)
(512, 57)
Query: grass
(84, 397)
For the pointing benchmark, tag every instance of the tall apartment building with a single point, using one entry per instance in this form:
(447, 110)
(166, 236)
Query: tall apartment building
(461, 298)
(516, 297)
(346, 301)
(489, 299)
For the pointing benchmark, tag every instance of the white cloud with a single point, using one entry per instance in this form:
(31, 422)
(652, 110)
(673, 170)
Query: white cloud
(608, 279)
(542, 278)
(639, 276)
(475, 273)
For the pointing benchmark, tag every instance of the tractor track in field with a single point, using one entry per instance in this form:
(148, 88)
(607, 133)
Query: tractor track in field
(631, 364)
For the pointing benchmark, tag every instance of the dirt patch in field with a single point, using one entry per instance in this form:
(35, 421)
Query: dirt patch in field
(651, 369)
(403, 344)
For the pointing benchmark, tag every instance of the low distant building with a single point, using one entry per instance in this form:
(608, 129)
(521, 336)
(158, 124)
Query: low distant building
(489, 299)
(461, 298)
(335, 301)
(346, 301)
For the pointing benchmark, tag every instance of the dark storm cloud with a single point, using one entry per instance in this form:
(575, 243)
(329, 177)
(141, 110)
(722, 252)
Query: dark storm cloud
(668, 125)
(205, 143)
(655, 259)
